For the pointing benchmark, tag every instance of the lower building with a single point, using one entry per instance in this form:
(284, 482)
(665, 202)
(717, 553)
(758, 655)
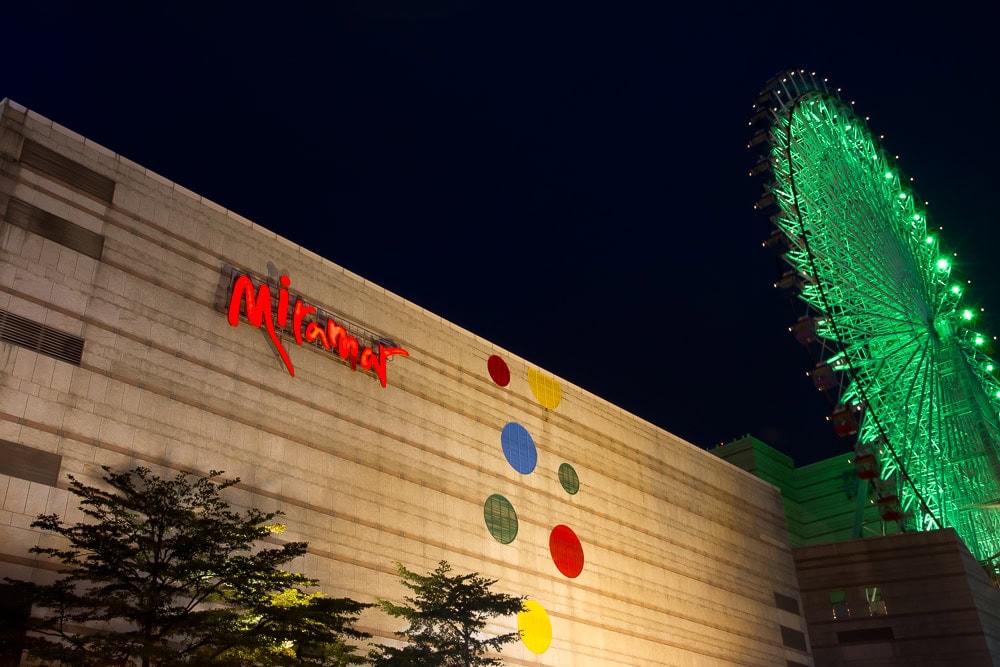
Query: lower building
(874, 597)
(914, 599)
(824, 501)
(141, 324)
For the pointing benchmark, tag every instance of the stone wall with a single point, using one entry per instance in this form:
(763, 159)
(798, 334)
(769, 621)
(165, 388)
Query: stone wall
(682, 553)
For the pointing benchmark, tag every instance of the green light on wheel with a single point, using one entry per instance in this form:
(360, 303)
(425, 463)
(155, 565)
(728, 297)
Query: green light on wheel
(943, 264)
(888, 174)
(955, 289)
(929, 240)
(967, 315)
(902, 195)
(989, 368)
(980, 340)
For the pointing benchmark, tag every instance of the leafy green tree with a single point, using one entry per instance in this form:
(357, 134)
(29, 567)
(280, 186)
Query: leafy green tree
(447, 614)
(164, 572)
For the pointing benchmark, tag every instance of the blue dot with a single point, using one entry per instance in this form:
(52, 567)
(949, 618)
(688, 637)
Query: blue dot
(518, 448)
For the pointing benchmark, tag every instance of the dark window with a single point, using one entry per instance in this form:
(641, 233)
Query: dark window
(865, 635)
(40, 338)
(15, 608)
(876, 605)
(54, 228)
(793, 638)
(71, 173)
(838, 605)
(29, 463)
(786, 603)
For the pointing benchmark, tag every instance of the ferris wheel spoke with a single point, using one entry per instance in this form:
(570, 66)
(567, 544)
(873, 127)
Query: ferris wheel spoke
(849, 277)
(907, 369)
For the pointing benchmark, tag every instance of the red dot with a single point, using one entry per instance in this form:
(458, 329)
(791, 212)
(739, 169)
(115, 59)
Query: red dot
(567, 553)
(498, 370)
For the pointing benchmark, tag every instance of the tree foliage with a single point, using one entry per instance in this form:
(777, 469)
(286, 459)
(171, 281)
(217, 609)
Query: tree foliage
(446, 617)
(164, 572)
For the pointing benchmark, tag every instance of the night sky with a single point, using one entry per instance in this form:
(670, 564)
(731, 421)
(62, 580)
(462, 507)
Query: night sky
(567, 180)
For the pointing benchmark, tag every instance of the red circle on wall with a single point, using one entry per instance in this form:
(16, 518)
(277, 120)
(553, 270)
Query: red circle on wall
(567, 553)
(498, 370)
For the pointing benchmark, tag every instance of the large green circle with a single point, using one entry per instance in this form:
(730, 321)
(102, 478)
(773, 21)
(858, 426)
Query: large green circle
(501, 519)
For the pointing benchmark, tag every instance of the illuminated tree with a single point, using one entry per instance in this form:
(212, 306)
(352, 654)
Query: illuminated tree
(447, 615)
(164, 572)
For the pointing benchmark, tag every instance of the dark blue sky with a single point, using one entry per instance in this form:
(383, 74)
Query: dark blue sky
(567, 180)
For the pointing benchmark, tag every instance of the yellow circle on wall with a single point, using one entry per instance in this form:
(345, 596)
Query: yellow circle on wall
(546, 389)
(536, 630)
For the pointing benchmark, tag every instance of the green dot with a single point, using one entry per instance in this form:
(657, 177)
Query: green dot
(501, 519)
(567, 477)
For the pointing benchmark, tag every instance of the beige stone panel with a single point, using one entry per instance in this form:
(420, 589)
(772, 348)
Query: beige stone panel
(44, 412)
(57, 501)
(26, 188)
(37, 500)
(67, 262)
(70, 324)
(117, 434)
(43, 370)
(9, 430)
(12, 240)
(112, 459)
(103, 311)
(24, 363)
(49, 255)
(17, 540)
(83, 212)
(4, 487)
(16, 495)
(24, 308)
(68, 298)
(127, 198)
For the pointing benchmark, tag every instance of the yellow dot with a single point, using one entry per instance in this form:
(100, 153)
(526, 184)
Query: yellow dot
(536, 630)
(546, 389)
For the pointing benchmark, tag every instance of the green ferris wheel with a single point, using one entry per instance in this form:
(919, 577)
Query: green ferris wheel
(897, 349)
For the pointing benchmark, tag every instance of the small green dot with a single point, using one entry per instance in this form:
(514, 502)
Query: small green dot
(567, 477)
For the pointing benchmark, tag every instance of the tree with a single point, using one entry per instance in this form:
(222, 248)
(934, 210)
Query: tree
(447, 615)
(164, 572)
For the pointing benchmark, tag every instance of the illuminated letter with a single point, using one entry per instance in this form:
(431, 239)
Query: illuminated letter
(347, 345)
(347, 348)
(283, 301)
(366, 358)
(301, 310)
(258, 311)
(378, 361)
(314, 331)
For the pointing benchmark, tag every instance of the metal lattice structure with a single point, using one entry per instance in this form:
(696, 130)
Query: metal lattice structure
(896, 349)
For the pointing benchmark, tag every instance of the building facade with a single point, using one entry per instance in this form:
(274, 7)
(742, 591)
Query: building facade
(872, 596)
(906, 600)
(824, 501)
(145, 325)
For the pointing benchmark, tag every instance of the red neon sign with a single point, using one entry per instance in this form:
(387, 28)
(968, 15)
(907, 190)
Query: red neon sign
(258, 309)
